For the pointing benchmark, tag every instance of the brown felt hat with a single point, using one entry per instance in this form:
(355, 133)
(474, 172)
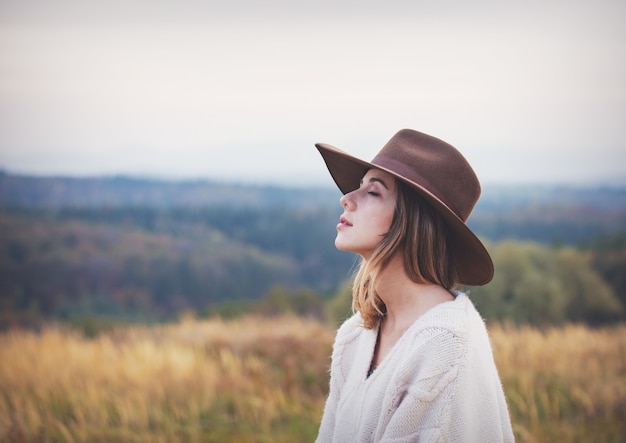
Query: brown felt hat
(441, 175)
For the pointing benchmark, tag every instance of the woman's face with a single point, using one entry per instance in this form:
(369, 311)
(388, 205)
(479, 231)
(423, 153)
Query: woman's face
(368, 213)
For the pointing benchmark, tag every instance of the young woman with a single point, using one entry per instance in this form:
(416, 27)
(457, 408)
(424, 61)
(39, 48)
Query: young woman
(414, 363)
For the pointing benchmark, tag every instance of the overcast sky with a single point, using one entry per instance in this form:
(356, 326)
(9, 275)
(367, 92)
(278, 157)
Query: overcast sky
(530, 91)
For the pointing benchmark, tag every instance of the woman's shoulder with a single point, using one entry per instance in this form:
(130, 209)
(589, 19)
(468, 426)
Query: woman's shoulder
(350, 341)
(441, 338)
(447, 315)
(458, 316)
(350, 329)
(352, 336)
(443, 329)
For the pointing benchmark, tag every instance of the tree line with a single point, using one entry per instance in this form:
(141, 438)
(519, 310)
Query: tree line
(152, 264)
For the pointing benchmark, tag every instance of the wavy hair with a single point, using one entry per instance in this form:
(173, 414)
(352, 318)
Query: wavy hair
(420, 233)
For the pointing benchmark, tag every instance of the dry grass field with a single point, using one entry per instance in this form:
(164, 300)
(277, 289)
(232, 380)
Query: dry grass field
(265, 380)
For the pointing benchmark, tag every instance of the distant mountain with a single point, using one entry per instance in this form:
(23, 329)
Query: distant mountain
(121, 191)
(557, 214)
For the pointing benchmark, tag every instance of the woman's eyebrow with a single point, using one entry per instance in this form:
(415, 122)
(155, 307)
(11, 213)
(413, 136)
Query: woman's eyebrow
(376, 179)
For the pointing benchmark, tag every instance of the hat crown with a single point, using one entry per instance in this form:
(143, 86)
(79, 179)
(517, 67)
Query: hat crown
(435, 166)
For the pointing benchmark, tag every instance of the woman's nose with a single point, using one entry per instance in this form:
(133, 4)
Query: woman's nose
(346, 201)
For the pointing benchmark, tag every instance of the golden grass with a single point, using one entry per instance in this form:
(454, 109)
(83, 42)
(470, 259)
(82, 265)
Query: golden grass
(246, 380)
(265, 380)
(564, 384)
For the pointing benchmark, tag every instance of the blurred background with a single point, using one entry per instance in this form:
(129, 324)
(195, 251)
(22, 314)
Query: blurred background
(157, 164)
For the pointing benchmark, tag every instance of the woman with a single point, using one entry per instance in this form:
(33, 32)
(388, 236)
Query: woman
(414, 363)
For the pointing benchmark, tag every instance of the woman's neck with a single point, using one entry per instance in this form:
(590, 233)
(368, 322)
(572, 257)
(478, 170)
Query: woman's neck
(405, 299)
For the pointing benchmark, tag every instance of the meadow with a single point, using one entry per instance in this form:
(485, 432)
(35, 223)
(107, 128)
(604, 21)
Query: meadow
(261, 379)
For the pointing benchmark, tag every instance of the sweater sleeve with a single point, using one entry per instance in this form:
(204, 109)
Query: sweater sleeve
(338, 374)
(327, 426)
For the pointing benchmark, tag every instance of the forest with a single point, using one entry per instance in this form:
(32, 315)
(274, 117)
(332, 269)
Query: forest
(109, 250)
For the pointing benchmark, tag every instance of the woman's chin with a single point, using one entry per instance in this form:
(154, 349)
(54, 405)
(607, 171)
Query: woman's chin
(342, 245)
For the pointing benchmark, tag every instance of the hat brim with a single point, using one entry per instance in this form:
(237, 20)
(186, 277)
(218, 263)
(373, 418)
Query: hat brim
(472, 261)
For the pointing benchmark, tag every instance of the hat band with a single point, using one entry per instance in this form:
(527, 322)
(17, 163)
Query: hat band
(412, 175)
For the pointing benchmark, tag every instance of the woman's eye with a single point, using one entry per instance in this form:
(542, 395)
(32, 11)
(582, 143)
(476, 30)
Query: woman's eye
(375, 194)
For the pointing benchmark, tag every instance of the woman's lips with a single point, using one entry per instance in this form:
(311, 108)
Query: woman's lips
(343, 223)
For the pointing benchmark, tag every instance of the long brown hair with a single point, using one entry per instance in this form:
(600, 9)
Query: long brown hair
(419, 232)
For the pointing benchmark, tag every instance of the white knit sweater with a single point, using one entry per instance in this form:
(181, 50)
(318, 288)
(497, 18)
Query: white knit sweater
(439, 383)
